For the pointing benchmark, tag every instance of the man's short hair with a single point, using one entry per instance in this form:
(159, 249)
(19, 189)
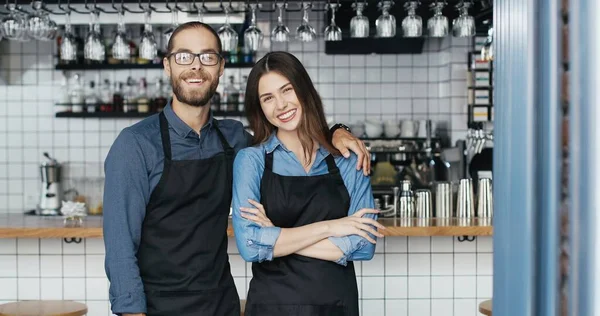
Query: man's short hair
(191, 25)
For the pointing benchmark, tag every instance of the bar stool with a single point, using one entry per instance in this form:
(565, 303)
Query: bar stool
(485, 307)
(43, 308)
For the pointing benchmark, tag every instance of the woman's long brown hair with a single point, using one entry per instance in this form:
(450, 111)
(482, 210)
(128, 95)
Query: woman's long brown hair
(312, 126)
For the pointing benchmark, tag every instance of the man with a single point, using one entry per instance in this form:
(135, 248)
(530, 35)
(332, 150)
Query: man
(168, 193)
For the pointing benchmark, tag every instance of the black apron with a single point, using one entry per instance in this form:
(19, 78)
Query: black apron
(182, 256)
(296, 285)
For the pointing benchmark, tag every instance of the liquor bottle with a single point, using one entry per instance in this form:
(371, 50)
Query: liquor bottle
(143, 103)
(242, 93)
(91, 99)
(230, 96)
(106, 98)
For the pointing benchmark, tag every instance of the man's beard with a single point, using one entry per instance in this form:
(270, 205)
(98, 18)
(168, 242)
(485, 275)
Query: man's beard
(194, 98)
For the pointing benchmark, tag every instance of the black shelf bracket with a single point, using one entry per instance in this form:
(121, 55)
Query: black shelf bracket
(466, 238)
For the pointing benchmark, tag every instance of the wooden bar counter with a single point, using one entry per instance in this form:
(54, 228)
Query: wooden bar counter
(15, 225)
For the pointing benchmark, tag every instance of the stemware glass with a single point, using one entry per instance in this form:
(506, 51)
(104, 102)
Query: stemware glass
(174, 23)
(229, 37)
(121, 49)
(280, 33)
(38, 27)
(333, 32)
(148, 49)
(305, 32)
(386, 23)
(438, 24)
(359, 24)
(52, 29)
(13, 26)
(464, 25)
(68, 46)
(412, 25)
(93, 49)
(253, 36)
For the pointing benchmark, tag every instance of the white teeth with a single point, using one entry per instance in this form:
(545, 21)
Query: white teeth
(287, 115)
(195, 80)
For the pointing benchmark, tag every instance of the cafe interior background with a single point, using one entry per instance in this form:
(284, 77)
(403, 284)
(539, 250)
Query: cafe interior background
(417, 85)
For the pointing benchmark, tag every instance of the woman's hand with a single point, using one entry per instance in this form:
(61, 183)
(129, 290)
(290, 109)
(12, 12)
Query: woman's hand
(356, 225)
(257, 215)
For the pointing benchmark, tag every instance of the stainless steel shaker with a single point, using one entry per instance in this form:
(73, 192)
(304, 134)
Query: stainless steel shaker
(406, 207)
(423, 202)
(465, 207)
(443, 200)
(485, 205)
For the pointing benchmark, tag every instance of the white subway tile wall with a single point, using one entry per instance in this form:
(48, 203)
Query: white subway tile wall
(416, 276)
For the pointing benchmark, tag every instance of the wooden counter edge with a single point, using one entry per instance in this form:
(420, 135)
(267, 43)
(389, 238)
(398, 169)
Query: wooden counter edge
(50, 232)
(96, 232)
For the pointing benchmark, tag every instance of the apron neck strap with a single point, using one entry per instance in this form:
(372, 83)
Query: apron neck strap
(164, 134)
(331, 166)
(228, 150)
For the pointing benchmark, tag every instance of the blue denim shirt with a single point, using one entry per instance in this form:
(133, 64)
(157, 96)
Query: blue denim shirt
(256, 243)
(133, 168)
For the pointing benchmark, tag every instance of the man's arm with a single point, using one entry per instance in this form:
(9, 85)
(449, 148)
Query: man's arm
(125, 194)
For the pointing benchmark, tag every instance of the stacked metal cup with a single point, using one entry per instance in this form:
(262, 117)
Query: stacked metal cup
(444, 209)
(465, 207)
(485, 203)
(443, 200)
(423, 208)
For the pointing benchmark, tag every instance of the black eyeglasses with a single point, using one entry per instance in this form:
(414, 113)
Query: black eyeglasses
(187, 58)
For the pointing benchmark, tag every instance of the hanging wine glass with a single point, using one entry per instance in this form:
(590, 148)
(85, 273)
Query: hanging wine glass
(333, 32)
(412, 25)
(121, 49)
(68, 46)
(148, 45)
(437, 25)
(174, 23)
(38, 27)
(229, 37)
(464, 25)
(13, 26)
(253, 36)
(386, 23)
(359, 24)
(305, 32)
(280, 33)
(93, 49)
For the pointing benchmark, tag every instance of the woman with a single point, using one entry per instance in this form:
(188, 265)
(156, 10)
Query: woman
(298, 206)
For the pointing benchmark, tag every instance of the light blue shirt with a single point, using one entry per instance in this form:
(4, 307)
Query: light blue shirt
(256, 243)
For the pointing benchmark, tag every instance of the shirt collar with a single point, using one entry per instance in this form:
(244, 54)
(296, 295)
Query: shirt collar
(180, 127)
(273, 142)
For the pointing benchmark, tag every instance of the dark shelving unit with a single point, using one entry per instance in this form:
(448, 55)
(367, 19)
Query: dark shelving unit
(131, 115)
(131, 66)
(473, 55)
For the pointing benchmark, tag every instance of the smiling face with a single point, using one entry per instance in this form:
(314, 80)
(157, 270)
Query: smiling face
(196, 83)
(279, 101)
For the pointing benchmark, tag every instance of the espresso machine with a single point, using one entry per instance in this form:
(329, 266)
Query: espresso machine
(51, 190)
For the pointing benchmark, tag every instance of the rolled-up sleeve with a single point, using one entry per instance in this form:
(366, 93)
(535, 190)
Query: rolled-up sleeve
(254, 242)
(355, 247)
(126, 192)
